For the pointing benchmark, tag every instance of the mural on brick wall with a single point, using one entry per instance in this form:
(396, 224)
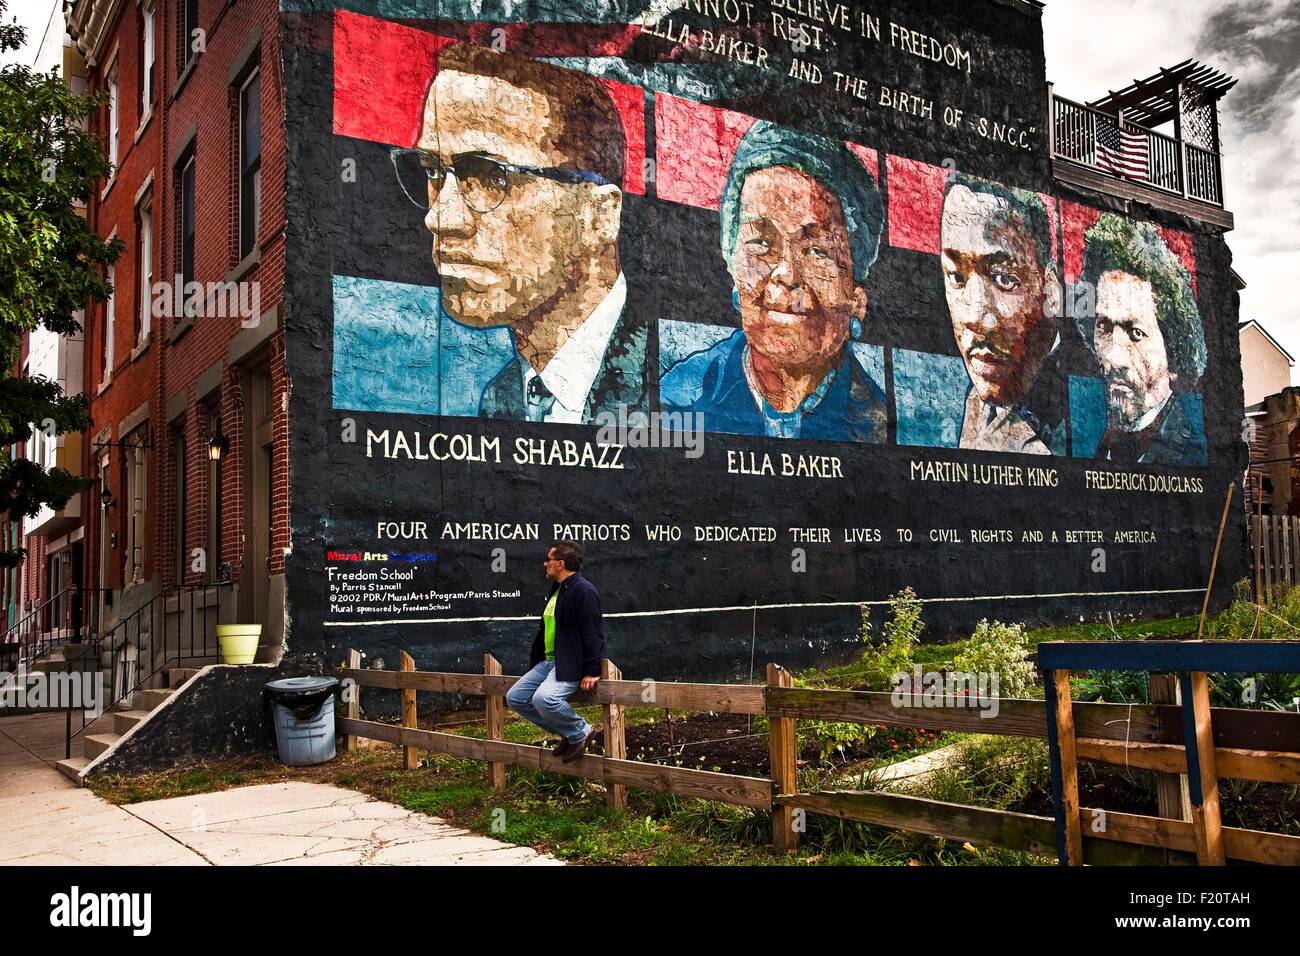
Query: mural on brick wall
(775, 319)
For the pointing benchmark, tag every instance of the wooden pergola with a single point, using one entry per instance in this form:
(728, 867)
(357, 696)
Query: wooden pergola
(1186, 95)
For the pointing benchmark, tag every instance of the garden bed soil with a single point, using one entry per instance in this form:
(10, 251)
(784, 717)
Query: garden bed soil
(729, 743)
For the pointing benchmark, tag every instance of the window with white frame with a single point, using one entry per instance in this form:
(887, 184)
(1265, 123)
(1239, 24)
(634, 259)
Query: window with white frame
(114, 110)
(133, 555)
(144, 229)
(146, 58)
(250, 162)
(109, 323)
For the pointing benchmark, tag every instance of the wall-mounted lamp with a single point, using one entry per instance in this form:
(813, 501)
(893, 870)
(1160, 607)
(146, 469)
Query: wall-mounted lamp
(106, 498)
(218, 444)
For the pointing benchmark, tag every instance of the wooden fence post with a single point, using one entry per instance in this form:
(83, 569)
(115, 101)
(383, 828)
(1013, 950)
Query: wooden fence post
(1214, 562)
(495, 709)
(1172, 798)
(615, 741)
(1065, 766)
(410, 755)
(782, 747)
(1203, 776)
(354, 705)
(1257, 540)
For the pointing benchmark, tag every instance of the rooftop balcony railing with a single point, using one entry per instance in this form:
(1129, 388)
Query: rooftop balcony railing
(1172, 165)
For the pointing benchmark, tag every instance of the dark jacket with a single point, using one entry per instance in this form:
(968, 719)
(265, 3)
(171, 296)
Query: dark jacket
(579, 632)
(713, 383)
(1176, 437)
(622, 379)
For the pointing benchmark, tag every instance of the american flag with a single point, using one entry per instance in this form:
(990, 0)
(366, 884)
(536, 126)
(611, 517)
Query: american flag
(1123, 152)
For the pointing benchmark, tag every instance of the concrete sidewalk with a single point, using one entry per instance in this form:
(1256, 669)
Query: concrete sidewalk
(48, 821)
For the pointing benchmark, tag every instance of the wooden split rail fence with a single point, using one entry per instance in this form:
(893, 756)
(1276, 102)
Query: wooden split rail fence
(1251, 745)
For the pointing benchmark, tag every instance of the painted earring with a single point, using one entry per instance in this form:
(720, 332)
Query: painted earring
(855, 328)
(735, 300)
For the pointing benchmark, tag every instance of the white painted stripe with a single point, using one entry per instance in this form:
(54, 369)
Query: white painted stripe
(771, 607)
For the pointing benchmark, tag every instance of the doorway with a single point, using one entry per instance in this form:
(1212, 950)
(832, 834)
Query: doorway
(259, 453)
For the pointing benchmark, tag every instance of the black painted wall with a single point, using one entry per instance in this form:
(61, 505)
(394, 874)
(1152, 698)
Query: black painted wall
(361, 228)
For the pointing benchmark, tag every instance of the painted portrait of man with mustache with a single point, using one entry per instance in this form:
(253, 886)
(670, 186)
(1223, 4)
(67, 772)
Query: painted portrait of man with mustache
(1004, 296)
(1147, 337)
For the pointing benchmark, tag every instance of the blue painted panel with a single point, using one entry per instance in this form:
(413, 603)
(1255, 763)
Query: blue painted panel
(930, 395)
(396, 351)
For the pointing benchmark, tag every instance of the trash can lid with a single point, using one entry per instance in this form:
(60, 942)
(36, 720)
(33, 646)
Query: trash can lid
(301, 685)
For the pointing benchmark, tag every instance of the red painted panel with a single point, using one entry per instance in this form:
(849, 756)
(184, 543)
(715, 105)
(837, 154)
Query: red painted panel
(915, 204)
(1076, 220)
(1181, 244)
(382, 72)
(870, 158)
(1053, 218)
(630, 103)
(694, 145)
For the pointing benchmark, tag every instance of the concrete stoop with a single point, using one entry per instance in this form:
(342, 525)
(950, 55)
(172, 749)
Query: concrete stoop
(121, 722)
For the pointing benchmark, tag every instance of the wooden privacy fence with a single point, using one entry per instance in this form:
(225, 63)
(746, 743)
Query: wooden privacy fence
(1251, 745)
(1275, 553)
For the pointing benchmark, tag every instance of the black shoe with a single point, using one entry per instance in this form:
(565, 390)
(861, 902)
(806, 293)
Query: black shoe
(578, 748)
(560, 748)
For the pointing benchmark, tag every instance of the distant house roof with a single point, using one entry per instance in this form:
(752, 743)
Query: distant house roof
(1242, 326)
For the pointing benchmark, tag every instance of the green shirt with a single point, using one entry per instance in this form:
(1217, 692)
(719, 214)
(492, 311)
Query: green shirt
(548, 624)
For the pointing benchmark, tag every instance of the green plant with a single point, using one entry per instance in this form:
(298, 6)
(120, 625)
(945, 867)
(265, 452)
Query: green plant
(53, 266)
(997, 772)
(901, 634)
(1114, 687)
(832, 736)
(1001, 649)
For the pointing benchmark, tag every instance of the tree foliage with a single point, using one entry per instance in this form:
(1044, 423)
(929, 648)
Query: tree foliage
(51, 265)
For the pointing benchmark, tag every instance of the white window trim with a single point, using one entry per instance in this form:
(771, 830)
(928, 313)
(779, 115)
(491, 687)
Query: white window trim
(149, 57)
(255, 72)
(110, 329)
(145, 242)
(114, 112)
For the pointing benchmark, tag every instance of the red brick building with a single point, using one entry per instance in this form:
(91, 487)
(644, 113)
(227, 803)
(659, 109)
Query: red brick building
(192, 123)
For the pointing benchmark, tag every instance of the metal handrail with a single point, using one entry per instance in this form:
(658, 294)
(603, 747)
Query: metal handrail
(141, 645)
(35, 642)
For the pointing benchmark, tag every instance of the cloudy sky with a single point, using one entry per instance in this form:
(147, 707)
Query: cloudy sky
(1096, 45)
(33, 15)
(1099, 45)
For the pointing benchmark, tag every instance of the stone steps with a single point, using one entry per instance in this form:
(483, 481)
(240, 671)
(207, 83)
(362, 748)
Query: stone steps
(177, 676)
(97, 744)
(124, 721)
(154, 696)
(72, 767)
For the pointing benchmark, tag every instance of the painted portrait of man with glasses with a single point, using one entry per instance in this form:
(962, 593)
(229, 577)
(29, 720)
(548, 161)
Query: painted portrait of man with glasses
(518, 166)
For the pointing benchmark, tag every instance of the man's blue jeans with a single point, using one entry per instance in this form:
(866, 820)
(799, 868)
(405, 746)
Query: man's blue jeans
(540, 698)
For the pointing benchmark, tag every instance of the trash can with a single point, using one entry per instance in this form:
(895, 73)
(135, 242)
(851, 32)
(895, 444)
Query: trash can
(300, 715)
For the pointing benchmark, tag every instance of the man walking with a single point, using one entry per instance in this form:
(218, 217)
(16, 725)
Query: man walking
(565, 656)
